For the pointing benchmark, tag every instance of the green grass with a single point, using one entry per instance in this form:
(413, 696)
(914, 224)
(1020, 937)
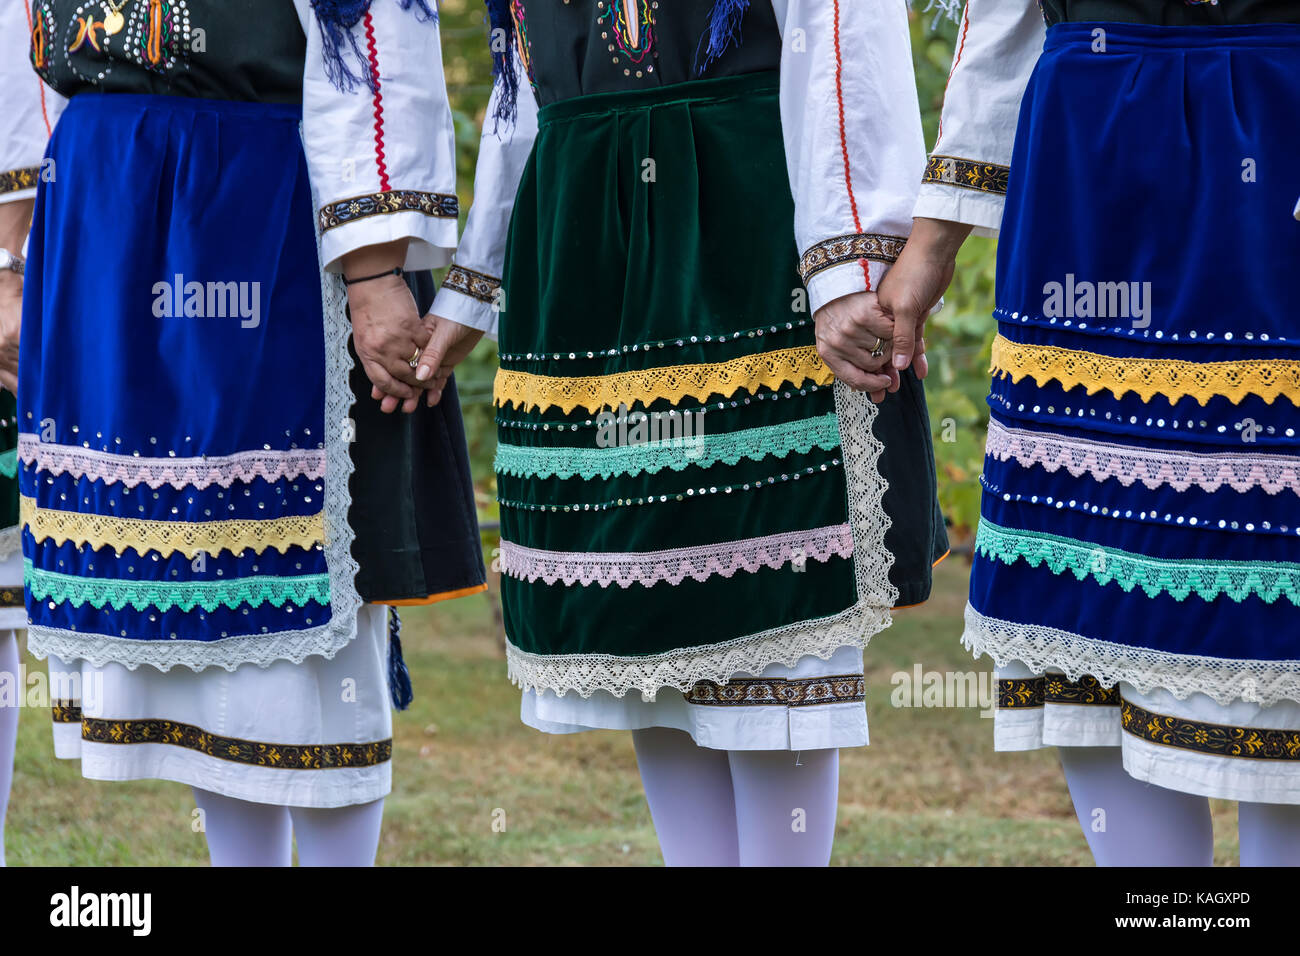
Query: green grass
(928, 791)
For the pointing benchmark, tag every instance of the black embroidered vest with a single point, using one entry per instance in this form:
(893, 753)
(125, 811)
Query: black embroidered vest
(217, 49)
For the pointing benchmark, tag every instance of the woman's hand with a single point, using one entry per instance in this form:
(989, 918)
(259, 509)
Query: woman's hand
(849, 330)
(386, 326)
(449, 344)
(15, 218)
(11, 312)
(915, 284)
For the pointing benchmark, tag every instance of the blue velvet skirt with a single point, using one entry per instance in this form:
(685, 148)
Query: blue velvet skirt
(183, 420)
(1141, 507)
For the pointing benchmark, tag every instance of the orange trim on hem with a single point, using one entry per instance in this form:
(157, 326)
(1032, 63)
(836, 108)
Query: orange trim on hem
(937, 561)
(435, 598)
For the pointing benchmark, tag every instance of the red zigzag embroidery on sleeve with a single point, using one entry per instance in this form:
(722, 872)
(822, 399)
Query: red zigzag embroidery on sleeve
(373, 55)
(844, 140)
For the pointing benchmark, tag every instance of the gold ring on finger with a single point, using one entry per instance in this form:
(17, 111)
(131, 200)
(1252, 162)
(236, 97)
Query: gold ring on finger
(414, 360)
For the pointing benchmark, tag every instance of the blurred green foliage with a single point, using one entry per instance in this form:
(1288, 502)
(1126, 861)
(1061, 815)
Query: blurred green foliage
(958, 338)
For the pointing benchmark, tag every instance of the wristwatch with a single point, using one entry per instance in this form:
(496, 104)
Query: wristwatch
(11, 262)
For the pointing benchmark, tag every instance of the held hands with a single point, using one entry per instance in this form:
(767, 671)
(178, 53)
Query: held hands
(388, 334)
(11, 310)
(853, 338)
(449, 343)
(847, 328)
(407, 358)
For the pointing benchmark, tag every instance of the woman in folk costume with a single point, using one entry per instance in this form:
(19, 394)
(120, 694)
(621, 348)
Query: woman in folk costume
(207, 517)
(25, 125)
(1135, 577)
(677, 202)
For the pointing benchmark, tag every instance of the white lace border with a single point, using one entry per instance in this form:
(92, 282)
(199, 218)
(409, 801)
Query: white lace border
(1041, 648)
(684, 667)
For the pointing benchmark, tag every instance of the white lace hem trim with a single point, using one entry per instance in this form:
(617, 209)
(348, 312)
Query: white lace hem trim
(1041, 648)
(684, 667)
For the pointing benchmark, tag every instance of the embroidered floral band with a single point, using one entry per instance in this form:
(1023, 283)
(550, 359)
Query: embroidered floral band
(1236, 580)
(1255, 743)
(133, 470)
(119, 593)
(11, 598)
(1172, 378)
(749, 372)
(65, 712)
(679, 451)
(675, 566)
(276, 756)
(344, 211)
(779, 692)
(1020, 693)
(1153, 467)
(851, 248)
(968, 174)
(166, 537)
(476, 285)
(16, 180)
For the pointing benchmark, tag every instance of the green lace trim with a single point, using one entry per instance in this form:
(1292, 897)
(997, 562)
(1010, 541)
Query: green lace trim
(117, 593)
(9, 463)
(1178, 578)
(701, 450)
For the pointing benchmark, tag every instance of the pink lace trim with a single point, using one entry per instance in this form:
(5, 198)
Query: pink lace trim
(1151, 466)
(131, 470)
(651, 567)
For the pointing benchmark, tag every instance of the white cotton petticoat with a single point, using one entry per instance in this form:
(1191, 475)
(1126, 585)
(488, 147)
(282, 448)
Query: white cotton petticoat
(1230, 751)
(814, 705)
(314, 734)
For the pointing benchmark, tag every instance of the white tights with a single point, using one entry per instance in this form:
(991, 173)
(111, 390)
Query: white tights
(241, 833)
(738, 808)
(1131, 823)
(8, 728)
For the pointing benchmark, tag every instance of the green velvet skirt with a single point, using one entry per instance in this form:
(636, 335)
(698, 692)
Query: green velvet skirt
(686, 494)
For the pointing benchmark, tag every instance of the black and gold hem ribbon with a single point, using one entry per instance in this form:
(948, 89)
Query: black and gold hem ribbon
(779, 692)
(1022, 693)
(249, 752)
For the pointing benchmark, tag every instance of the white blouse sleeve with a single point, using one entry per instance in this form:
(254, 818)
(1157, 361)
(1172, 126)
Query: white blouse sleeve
(471, 292)
(30, 108)
(853, 140)
(966, 178)
(382, 154)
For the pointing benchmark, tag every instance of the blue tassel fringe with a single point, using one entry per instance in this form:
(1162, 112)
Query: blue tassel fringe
(399, 678)
(336, 18)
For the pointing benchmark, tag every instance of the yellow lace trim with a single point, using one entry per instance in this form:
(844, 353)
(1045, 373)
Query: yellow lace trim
(527, 391)
(189, 538)
(1172, 378)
